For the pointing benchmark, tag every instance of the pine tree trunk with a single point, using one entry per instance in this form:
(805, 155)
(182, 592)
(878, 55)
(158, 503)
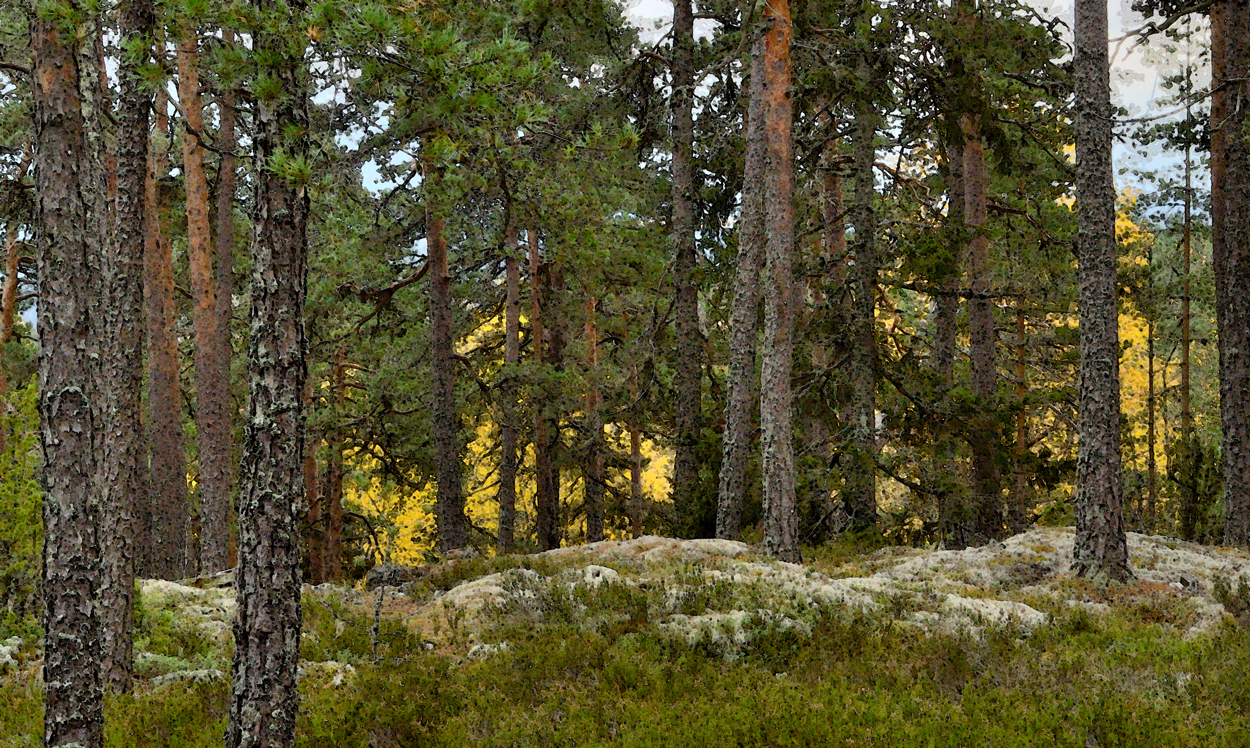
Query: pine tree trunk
(744, 314)
(1232, 266)
(125, 476)
(952, 519)
(69, 302)
(264, 701)
(1189, 487)
(510, 461)
(167, 518)
(546, 491)
(1101, 548)
(8, 309)
(689, 361)
(1019, 519)
(8, 297)
(592, 469)
(314, 501)
(781, 522)
(860, 487)
(985, 444)
(212, 379)
(330, 482)
(451, 520)
(223, 353)
(548, 349)
(636, 499)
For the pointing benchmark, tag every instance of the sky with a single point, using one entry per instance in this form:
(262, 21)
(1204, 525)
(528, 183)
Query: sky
(1136, 69)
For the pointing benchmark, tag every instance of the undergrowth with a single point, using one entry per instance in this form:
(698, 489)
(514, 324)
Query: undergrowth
(1116, 679)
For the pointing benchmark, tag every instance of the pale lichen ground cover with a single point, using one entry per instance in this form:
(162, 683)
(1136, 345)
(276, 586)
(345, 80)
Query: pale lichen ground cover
(716, 592)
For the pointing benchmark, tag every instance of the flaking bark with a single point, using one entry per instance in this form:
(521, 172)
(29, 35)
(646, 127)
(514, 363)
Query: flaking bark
(1100, 549)
(69, 245)
(689, 360)
(744, 314)
(125, 486)
(776, 401)
(264, 701)
(1231, 191)
(451, 520)
(167, 517)
(212, 374)
(987, 511)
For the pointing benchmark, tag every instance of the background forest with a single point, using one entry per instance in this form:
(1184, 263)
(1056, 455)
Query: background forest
(569, 279)
(538, 136)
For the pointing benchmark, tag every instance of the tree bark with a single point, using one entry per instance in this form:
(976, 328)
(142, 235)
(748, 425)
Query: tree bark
(592, 470)
(548, 349)
(860, 487)
(313, 502)
(744, 314)
(8, 298)
(509, 458)
(167, 518)
(125, 476)
(331, 484)
(69, 249)
(1101, 549)
(689, 361)
(223, 353)
(952, 520)
(264, 702)
(781, 521)
(451, 520)
(985, 445)
(1232, 262)
(212, 374)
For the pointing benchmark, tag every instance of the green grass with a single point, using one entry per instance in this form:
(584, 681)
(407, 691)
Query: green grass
(1125, 679)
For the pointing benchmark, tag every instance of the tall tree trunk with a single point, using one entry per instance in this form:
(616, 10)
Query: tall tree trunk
(8, 297)
(985, 445)
(331, 484)
(781, 520)
(860, 488)
(592, 469)
(952, 520)
(313, 502)
(546, 491)
(1232, 259)
(548, 349)
(636, 499)
(1189, 487)
(124, 493)
(167, 518)
(689, 361)
(1101, 548)
(265, 701)
(744, 314)
(1019, 519)
(71, 429)
(212, 378)
(451, 520)
(8, 312)
(509, 461)
(227, 141)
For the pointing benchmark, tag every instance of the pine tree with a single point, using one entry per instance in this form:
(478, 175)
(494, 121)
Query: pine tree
(264, 702)
(776, 401)
(67, 187)
(1101, 548)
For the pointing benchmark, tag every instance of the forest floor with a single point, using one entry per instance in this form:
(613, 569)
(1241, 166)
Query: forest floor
(658, 642)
